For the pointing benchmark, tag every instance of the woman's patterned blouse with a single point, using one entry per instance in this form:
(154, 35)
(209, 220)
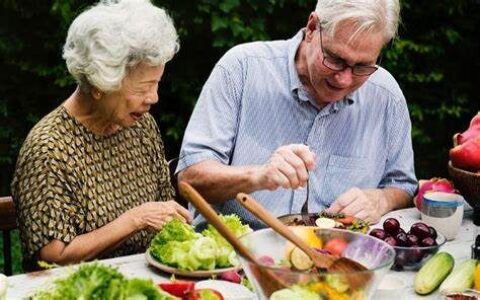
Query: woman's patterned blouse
(69, 181)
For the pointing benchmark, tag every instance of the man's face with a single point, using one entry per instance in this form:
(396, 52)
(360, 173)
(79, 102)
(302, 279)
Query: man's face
(329, 85)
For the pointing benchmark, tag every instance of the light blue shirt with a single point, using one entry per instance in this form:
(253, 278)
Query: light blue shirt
(253, 102)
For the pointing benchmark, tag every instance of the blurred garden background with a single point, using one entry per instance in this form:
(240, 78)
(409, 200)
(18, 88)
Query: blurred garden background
(435, 61)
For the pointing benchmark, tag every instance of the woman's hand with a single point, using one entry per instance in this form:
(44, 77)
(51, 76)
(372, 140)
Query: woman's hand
(156, 214)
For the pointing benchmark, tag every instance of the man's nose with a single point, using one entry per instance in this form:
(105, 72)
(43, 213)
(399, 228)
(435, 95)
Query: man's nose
(345, 77)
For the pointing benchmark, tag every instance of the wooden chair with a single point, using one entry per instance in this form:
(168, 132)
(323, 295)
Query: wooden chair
(172, 166)
(7, 223)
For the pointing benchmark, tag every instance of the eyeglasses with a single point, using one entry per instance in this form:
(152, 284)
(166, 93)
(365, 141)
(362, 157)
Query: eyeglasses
(338, 64)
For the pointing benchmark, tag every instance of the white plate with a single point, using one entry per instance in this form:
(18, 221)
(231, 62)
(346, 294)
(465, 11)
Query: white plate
(229, 290)
(198, 274)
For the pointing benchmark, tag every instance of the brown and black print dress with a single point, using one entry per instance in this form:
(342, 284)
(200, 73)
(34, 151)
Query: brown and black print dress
(69, 181)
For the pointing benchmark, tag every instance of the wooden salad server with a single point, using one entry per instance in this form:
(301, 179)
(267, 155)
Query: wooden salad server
(320, 260)
(269, 281)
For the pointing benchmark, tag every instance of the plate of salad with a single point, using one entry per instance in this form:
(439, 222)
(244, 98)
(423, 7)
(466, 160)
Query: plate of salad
(178, 249)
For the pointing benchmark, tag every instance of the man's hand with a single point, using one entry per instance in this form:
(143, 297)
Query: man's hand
(288, 168)
(368, 205)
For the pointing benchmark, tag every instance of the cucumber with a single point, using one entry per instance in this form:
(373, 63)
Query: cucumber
(433, 273)
(300, 260)
(460, 279)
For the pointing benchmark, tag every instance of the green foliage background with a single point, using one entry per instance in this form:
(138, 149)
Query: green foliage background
(435, 61)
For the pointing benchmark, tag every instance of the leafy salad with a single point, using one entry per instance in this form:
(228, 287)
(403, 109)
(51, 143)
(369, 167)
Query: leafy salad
(179, 246)
(97, 281)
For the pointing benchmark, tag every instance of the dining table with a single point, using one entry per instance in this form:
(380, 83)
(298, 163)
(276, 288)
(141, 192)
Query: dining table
(22, 285)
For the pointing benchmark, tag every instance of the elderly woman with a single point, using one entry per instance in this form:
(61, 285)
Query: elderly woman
(91, 179)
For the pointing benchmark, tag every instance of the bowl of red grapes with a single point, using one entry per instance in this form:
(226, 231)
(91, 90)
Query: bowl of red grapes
(413, 247)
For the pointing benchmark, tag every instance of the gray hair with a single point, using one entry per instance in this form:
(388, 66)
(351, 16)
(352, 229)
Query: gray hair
(366, 15)
(108, 39)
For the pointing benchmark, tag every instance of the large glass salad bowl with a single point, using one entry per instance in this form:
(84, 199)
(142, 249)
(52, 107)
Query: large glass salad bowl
(274, 277)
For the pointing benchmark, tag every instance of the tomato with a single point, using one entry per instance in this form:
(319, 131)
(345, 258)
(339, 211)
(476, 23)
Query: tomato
(204, 294)
(336, 246)
(178, 288)
(347, 220)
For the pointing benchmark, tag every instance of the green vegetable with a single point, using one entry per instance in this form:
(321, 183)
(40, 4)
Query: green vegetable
(175, 230)
(97, 281)
(433, 273)
(178, 245)
(460, 279)
(225, 250)
(295, 292)
(336, 282)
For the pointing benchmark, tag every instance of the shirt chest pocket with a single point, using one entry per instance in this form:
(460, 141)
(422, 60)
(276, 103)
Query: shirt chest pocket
(343, 173)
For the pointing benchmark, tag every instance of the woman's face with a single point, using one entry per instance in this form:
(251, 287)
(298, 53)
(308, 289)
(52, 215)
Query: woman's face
(137, 94)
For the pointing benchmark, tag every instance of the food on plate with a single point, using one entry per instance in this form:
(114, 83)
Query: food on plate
(433, 273)
(204, 294)
(460, 279)
(324, 220)
(232, 276)
(434, 184)
(178, 288)
(179, 246)
(98, 281)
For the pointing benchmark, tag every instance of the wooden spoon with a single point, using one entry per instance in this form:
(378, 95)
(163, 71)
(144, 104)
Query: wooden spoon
(269, 281)
(321, 260)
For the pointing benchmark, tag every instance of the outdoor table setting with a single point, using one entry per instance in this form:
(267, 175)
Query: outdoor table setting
(20, 286)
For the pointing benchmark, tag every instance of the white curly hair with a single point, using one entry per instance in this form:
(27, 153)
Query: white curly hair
(110, 37)
(366, 15)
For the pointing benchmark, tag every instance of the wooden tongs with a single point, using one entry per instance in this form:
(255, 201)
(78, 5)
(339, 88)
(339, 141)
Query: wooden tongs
(322, 261)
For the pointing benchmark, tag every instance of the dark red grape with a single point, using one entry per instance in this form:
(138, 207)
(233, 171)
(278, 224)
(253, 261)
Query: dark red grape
(391, 225)
(378, 233)
(412, 240)
(433, 232)
(390, 240)
(420, 230)
(416, 255)
(427, 242)
(401, 258)
(401, 239)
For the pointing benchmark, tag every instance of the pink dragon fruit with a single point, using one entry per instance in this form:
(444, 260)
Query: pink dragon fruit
(434, 184)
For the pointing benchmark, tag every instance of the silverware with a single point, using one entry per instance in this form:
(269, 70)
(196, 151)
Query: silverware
(304, 210)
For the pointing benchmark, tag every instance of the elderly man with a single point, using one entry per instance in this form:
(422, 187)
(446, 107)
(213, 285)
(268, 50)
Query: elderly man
(317, 109)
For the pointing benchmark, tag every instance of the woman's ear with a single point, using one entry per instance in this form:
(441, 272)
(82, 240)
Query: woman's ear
(311, 26)
(96, 93)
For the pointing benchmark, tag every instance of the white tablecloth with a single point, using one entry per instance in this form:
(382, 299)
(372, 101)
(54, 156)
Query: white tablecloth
(136, 266)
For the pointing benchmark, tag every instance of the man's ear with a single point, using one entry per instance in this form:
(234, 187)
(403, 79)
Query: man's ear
(311, 26)
(96, 93)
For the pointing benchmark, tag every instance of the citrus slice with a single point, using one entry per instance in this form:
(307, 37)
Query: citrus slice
(300, 260)
(307, 234)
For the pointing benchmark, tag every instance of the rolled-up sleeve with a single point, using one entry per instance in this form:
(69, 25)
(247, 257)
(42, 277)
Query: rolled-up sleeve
(399, 168)
(213, 126)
